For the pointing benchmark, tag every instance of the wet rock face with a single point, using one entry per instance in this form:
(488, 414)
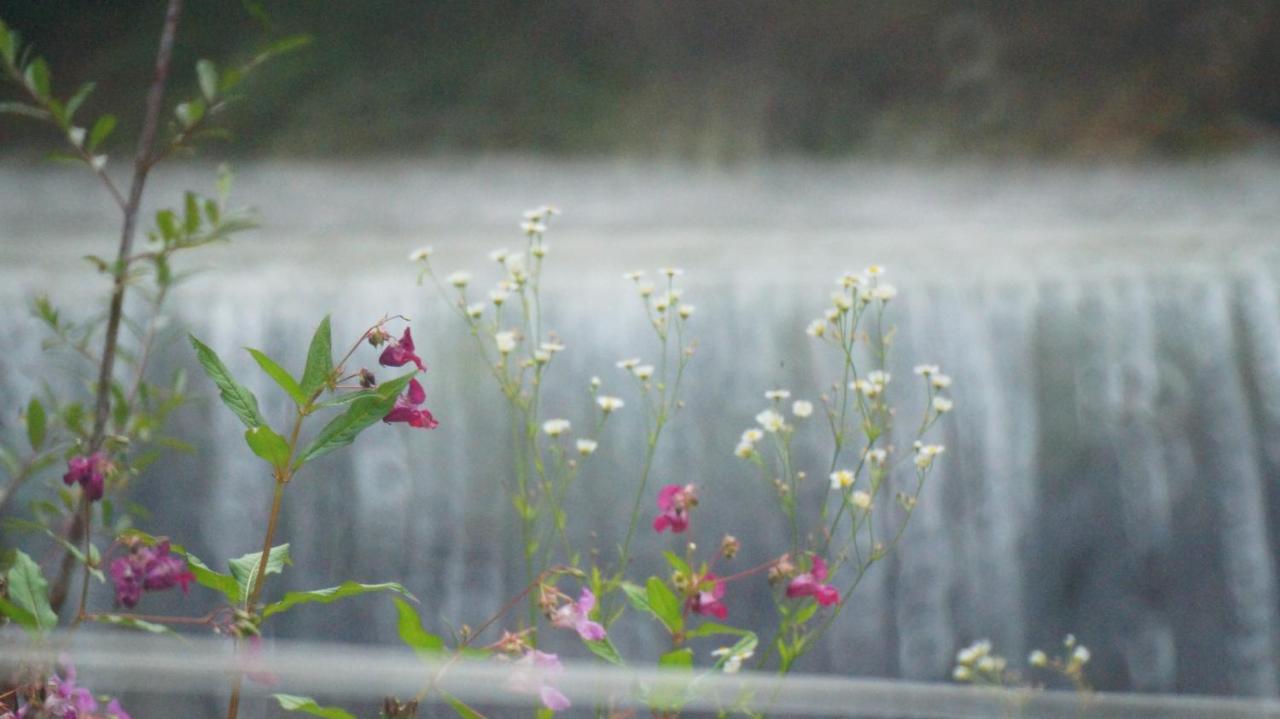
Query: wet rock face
(1111, 457)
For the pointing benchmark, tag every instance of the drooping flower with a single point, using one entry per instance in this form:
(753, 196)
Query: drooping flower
(708, 599)
(407, 410)
(90, 472)
(577, 616)
(399, 353)
(534, 674)
(148, 568)
(675, 502)
(810, 584)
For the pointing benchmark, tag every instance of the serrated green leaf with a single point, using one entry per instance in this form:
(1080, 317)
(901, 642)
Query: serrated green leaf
(28, 589)
(319, 361)
(331, 594)
(237, 398)
(102, 129)
(207, 74)
(127, 622)
(346, 398)
(664, 604)
(412, 633)
(245, 568)
(676, 659)
(638, 597)
(307, 705)
(707, 629)
(343, 429)
(36, 424)
(281, 377)
(268, 445)
(604, 649)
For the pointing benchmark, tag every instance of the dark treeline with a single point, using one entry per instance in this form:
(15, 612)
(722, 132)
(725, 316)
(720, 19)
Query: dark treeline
(706, 79)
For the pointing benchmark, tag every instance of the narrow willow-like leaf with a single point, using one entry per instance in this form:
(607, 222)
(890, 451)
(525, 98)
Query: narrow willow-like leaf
(604, 649)
(102, 129)
(36, 424)
(409, 625)
(712, 628)
(131, 623)
(237, 398)
(331, 594)
(461, 709)
(268, 445)
(343, 429)
(28, 589)
(281, 377)
(245, 568)
(207, 74)
(307, 705)
(319, 361)
(76, 100)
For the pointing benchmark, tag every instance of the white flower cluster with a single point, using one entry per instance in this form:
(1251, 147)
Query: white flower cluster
(747, 444)
(772, 421)
(926, 453)
(855, 290)
(937, 381)
(977, 661)
(872, 386)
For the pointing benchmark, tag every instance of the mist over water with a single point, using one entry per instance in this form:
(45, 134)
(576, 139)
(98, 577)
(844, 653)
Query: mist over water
(1113, 334)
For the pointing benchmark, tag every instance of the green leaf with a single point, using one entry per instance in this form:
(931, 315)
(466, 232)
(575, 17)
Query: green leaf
(409, 625)
(19, 108)
(37, 422)
(239, 399)
(676, 659)
(319, 361)
(462, 710)
(245, 569)
(664, 604)
(189, 113)
(639, 598)
(677, 563)
(293, 703)
(604, 649)
(191, 212)
(331, 594)
(343, 429)
(746, 645)
(102, 129)
(268, 445)
(94, 561)
(205, 577)
(711, 628)
(281, 377)
(120, 620)
(346, 398)
(28, 589)
(19, 616)
(37, 77)
(7, 42)
(78, 99)
(207, 74)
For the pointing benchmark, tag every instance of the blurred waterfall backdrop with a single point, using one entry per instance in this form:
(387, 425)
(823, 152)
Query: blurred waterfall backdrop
(1079, 202)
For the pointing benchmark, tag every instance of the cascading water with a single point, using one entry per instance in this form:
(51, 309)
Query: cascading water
(1114, 336)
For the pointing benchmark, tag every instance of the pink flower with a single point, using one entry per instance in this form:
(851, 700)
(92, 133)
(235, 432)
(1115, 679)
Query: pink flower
(810, 584)
(534, 673)
(675, 502)
(64, 699)
(148, 568)
(406, 408)
(115, 711)
(577, 616)
(708, 598)
(89, 471)
(400, 353)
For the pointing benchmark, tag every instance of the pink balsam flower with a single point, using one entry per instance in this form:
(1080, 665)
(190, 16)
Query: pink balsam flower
(577, 616)
(674, 502)
(90, 472)
(709, 597)
(407, 408)
(810, 584)
(148, 568)
(534, 674)
(400, 353)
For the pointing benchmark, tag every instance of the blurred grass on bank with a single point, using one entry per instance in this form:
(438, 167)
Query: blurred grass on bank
(707, 80)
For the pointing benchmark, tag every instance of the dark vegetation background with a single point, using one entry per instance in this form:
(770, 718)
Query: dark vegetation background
(704, 79)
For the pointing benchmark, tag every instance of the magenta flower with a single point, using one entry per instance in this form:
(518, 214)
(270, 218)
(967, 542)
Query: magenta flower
(89, 471)
(675, 502)
(150, 569)
(707, 600)
(64, 699)
(577, 616)
(400, 353)
(534, 673)
(407, 410)
(810, 584)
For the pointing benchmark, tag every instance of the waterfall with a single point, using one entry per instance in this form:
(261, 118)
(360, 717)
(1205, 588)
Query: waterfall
(1113, 334)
